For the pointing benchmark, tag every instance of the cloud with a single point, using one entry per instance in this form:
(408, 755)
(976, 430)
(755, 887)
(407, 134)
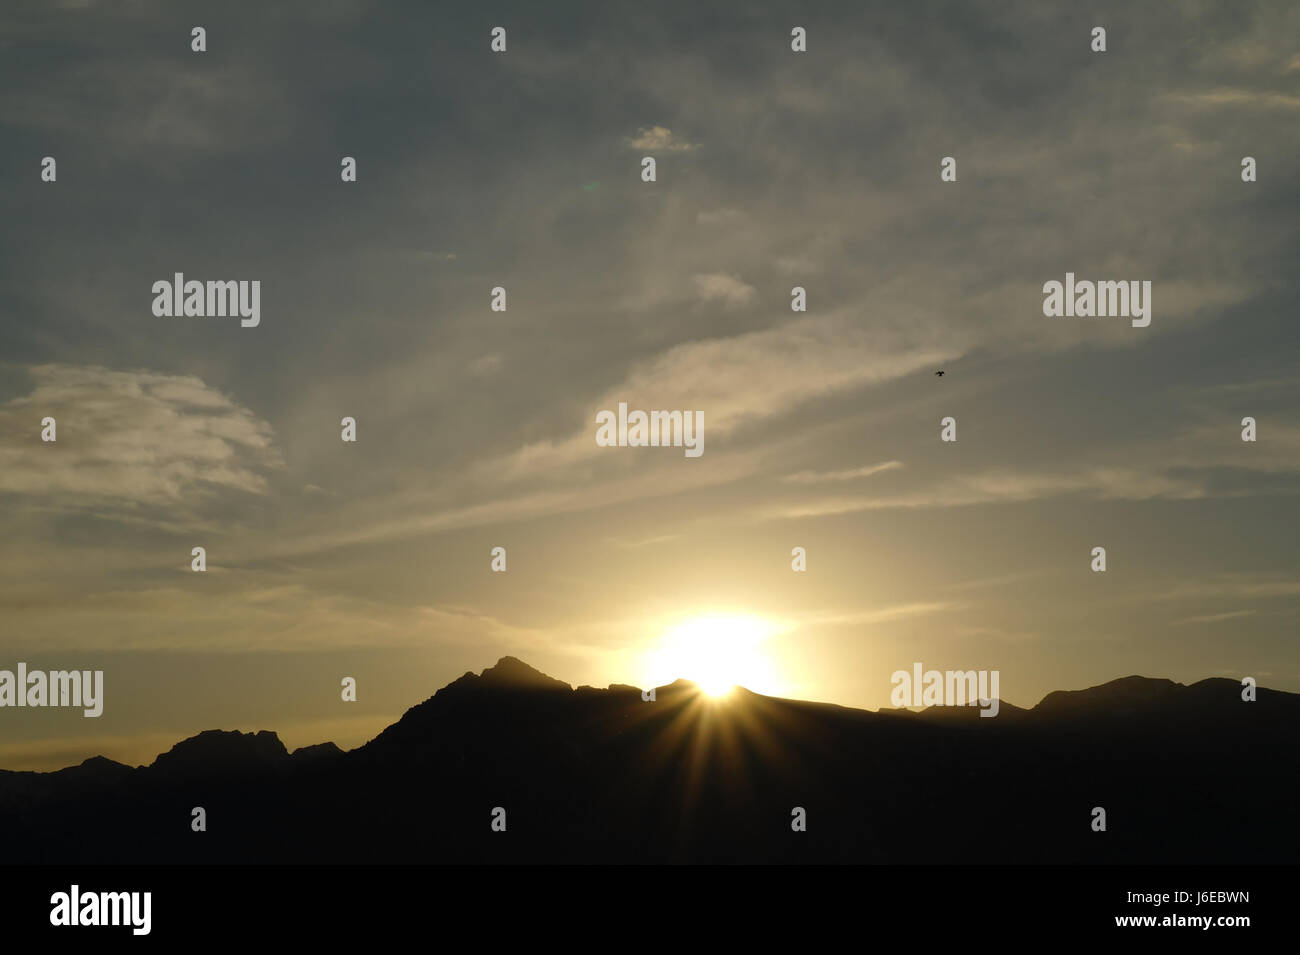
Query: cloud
(130, 437)
(1003, 486)
(245, 609)
(767, 373)
(1231, 586)
(727, 289)
(658, 539)
(1257, 99)
(817, 477)
(658, 139)
(417, 513)
(745, 379)
(1204, 460)
(1214, 617)
(878, 614)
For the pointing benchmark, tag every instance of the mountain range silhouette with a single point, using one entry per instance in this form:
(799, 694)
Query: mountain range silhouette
(1185, 773)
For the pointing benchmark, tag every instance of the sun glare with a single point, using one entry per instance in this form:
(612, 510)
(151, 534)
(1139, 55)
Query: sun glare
(717, 653)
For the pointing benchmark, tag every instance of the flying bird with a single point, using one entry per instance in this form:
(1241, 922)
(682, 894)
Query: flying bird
(939, 373)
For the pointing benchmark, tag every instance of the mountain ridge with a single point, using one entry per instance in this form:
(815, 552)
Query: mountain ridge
(607, 776)
(1121, 694)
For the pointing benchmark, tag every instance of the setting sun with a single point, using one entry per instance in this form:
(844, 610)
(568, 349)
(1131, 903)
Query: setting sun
(717, 653)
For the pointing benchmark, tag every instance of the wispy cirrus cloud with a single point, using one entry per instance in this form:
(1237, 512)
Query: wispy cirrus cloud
(878, 614)
(1214, 617)
(998, 486)
(849, 474)
(1238, 98)
(130, 437)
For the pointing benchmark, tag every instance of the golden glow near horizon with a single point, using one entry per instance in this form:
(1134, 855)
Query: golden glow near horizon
(718, 652)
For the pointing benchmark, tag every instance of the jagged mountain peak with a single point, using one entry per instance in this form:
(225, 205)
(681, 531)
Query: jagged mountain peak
(513, 672)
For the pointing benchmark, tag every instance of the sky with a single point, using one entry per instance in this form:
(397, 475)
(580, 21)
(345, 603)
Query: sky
(476, 428)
